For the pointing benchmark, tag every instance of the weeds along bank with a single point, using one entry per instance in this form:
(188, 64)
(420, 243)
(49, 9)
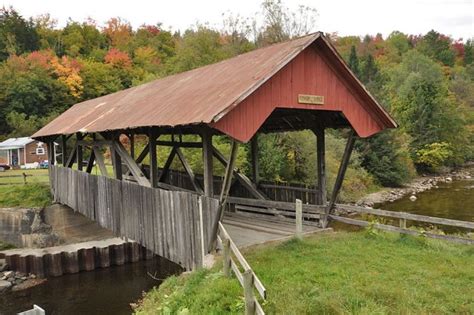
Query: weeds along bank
(358, 272)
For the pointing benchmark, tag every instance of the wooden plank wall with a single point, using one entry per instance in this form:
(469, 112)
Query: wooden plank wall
(165, 222)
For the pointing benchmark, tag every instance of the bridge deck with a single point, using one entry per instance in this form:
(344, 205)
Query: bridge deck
(247, 230)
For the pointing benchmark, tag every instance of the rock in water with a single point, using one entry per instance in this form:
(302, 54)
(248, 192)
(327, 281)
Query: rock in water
(4, 285)
(449, 179)
(413, 198)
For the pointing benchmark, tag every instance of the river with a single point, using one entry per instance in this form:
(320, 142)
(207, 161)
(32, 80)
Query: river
(102, 291)
(453, 200)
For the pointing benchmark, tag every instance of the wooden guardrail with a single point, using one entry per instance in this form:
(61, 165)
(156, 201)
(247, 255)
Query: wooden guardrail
(403, 217)
(247, 279)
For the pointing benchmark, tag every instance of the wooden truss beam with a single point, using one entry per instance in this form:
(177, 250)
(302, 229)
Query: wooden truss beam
(72, 156)
(224, 192)
(180, 144)
(244, 180)
(153, 158)
(340, 175)
(90, 162)
(207, 159)
(79, 154)
(116, 160)
(189, 171)
(137, 173)
(321, 166)
(254, 158)
(100, 161)
(64, 149)
(167, 165)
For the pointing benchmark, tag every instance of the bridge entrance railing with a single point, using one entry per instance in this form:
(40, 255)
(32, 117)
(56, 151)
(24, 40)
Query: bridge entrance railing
(232, 259)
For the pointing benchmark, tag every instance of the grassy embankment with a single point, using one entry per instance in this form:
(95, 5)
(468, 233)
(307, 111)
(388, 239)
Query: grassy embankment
(357, 273)
(14, 193)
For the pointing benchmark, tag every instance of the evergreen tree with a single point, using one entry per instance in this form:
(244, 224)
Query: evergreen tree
(354, 61)
(468, 52)
(16, 34)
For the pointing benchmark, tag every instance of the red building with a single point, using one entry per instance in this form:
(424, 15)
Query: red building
(23, 152)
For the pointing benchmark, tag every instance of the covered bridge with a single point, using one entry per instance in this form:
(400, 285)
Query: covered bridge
(296, 85)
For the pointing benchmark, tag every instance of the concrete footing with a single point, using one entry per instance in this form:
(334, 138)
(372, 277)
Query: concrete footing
(58, 260)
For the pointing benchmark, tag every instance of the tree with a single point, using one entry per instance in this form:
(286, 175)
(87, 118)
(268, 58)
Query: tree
(81, 39)
(280, 23)
(119, 33)
(28, 85)
(197, 48)
(424, 107)
(99, 79)
(438, 47)
(16, 34)
(354, 61)
(468, 52)
(23, 126)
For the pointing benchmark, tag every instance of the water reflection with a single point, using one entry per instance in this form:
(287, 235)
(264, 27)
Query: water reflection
(103, 291)
(453, 201)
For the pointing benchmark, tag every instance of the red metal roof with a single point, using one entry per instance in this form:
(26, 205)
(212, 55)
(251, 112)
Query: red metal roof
(203, 95)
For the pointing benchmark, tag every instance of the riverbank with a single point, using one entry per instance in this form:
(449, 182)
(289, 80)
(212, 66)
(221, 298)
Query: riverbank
(417, 185)
(358, 272)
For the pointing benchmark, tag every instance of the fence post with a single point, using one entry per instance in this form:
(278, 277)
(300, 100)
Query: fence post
(248, 292)
(226, 260)
(403, 223)
(299, 219)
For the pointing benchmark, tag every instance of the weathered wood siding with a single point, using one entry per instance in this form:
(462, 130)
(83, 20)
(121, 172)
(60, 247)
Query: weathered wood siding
(165, 222)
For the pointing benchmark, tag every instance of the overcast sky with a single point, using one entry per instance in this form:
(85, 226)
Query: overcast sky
(452, 17)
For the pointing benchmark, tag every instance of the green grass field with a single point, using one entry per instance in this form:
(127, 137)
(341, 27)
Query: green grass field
(14, 193)
(337, 273)
(14, 177)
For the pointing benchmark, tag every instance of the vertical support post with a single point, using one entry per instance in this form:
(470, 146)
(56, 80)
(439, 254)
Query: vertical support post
(226, 259)
(132, 145)
(248, 292)
(254, 157)
(51, 154)
(116, 160)
(64, 149)
(153, 159)
(340, 174)
(321, 166)
(299, 219)
(79, 154)
(207, 157)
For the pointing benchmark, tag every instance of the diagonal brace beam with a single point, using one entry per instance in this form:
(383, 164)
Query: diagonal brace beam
(72, 156)
(167, 165)
(189, 171)
(244, 180)
(340, 174)
(132, 165)
(100, 161)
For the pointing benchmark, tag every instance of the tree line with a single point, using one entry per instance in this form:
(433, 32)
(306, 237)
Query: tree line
(425, 81)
